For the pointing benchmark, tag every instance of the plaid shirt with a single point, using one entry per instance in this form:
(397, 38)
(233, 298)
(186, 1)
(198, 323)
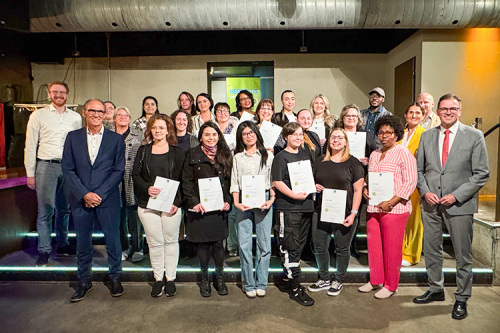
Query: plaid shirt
(140, 123)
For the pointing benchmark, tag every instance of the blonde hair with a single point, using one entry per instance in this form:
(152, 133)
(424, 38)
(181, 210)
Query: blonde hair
(325, 100)
(345, 154)
(307, 140)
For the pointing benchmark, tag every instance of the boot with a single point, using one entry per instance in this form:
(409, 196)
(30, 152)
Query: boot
(205, 289)
(219, 283)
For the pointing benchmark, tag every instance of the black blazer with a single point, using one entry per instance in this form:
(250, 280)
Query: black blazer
(142, 174)
(196, 166)
(281, 119)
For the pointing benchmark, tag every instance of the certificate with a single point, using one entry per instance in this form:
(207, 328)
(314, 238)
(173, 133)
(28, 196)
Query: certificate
(211, 196)
(318, 129)
(253, 190)
(246, 116)
(380, 186)
(333, 205)
(230, 140)
(163, 201)
(270, 133)
(301, 177)
(357, 144)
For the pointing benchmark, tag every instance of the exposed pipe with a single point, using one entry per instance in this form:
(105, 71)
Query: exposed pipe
(194, 15)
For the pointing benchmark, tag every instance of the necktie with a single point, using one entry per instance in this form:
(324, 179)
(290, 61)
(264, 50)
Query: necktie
(446, 146)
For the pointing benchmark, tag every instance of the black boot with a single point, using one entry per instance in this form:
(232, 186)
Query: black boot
(219, 283)
(205, 289)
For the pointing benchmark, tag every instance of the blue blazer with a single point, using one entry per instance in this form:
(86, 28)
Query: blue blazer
(103, 177)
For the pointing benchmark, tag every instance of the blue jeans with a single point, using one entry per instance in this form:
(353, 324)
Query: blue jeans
(232, 239)
(263, 223)
(50, 195)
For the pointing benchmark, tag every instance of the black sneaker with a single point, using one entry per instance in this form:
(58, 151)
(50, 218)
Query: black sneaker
(300, 296)
(318, 286)
(157, 290)
(336, 288)
(65, 251)
(116, 288)
(170, 288)
(43, 259)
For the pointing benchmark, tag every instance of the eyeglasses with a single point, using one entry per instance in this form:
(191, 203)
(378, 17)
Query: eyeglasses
(221, 111)
(244, 98)
(247, 134)
(453, 109)
(389, 133)
(266, 108)
(337, 137)
(375, 96)
(124, 115)
(297, 135)
(160, 128)
(94, 112)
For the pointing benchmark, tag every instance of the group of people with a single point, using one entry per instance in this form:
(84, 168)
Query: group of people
(108, 171)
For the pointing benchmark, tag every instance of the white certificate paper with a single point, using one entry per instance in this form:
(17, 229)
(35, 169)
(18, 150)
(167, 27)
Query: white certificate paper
(211, 196)
(380, 186)
(246, 116)
(270, 133)
(357, 144)
(230, 140)
(163, 201)
(318, 129)
(333, 205)
(301, 177)
(253, 190)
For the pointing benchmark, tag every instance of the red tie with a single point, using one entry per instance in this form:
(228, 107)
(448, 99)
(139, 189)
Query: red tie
(446, 145)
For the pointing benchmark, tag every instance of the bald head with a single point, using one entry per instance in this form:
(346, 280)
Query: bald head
(426, 102)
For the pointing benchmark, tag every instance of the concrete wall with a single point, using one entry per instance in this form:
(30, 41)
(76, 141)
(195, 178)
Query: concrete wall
(344, 78)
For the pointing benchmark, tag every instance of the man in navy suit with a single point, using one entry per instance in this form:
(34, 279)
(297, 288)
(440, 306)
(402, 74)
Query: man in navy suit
(93, 164)
(452, 164)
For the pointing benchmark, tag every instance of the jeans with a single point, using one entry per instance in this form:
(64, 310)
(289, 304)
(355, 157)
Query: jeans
(321, 236)
(50, 194)
(232, 239)
(129, 223)
(263, 223)
(162, 233)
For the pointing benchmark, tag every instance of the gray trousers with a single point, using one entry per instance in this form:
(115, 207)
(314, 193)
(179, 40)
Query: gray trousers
(460, 229)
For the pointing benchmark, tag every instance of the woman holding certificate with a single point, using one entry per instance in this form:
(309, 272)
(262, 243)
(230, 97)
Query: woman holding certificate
(253, 197)
(392, 178)
(293, 182)
(339, 179)
(156, 161)
(412, 242)
(320, 107)
(311, 141)
(205, 185)
(265, 111)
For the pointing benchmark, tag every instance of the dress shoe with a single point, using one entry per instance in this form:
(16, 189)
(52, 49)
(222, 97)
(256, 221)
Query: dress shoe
(459, 310)
(83, 289)
(116, 288)
(429, 296)
(43, 259)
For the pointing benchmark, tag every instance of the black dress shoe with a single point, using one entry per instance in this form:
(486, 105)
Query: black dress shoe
(429, 296)
(459, 310)
(116, 288)
(83, 289)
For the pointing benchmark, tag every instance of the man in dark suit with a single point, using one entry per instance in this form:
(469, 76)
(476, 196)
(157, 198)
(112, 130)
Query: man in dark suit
(452, 164)
(93, 164)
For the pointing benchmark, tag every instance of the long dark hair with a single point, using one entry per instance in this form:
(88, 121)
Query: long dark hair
(240, 146)
(237, 99)
(191, 98)
(189, 127)
(144, 101)
(223, 158)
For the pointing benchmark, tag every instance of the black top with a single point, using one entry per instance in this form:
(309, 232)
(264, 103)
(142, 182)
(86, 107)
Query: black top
(147, 166)
(339, 176)
(279, 172)
(281, 119)
(183, 142)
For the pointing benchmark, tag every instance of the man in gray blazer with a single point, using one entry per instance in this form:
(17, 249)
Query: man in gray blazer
(452, 164)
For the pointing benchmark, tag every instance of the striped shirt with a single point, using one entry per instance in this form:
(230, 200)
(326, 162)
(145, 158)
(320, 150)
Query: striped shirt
(400, 162)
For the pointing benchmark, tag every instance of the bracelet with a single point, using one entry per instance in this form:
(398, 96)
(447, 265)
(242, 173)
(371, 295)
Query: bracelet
(354, 211)
(390, 205)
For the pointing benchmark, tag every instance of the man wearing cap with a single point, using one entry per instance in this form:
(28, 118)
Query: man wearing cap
(426, 102)
(45, 134)
(371, 114)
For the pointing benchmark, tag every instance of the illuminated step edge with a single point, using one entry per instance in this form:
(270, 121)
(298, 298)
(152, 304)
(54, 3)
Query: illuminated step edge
(101, 235)
(227, 269)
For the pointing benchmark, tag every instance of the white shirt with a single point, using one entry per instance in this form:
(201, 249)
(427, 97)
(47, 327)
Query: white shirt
(453, 129)
(291, 117)
(45, 135)
(94, 143)
(245, 164)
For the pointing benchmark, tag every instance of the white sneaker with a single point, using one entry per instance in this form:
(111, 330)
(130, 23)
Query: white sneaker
(318, 286)
(251, 293)
(261, 292)
(405, 263)
(383, 293)
(138, 256)
(124, 255)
